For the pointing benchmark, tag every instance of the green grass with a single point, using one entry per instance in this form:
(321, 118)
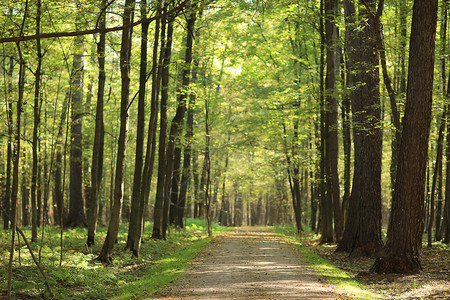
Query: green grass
(82, 277)
(341, 280)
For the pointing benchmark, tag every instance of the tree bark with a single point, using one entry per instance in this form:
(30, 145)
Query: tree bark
(404, 244)
(331, 116)
(15, 175)
(437, 166)
(139, 155)
(186, 174)
(36, 117)
(9, 155)
(177, 120)
(362, 236)
(151, 137)
(99, 138)
(76, 217)
(160, 186)
(125, 54)
(326, 212)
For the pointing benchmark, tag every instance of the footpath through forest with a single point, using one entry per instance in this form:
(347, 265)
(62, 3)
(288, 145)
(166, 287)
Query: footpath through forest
(249, 263)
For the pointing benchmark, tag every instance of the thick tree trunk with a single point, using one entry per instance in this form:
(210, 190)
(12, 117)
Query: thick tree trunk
(404, 244)
(125, 54)
(362, 236)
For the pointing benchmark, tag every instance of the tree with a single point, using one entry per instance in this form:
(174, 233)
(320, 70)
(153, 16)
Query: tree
(99, 138)
(362, 235)
(139, 156)
(36, 117)
(404, 244)
(166, 50)
(125, 54)
(177, 120)
(76, 217)
(9, 155)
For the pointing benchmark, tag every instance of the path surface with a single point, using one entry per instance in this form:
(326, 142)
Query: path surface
(249, 263)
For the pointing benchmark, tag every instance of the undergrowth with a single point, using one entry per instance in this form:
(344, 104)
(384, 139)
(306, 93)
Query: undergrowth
(80, 276)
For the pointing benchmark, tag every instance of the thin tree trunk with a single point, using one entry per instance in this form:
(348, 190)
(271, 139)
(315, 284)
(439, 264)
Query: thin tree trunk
(99, 138)
(9, 158)
(15, 176)
(177, 120)
(437, 166)
(186, 174)
(151, 136)
(160, 186)
(326, 213)
(139, 156)
(36, 115)
(125, 54)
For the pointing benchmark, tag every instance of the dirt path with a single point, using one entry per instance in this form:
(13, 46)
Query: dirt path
(249, 263)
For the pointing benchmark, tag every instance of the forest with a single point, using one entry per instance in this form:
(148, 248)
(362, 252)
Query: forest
(126, 120)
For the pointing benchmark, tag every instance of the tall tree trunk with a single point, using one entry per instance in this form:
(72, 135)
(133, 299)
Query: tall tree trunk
(296, 180)
(401, 89)
(139, 156)
(437, 166)
(58, 193)
(76, 217)
(36, 116)
(15, 175)
(362, 236)
(404, 244)
(125, 54)
(326, 212)
(160, 186)
(152, 128)
(207, 168)
(99, 137)
(9, 155)
(177, 120)
(346, 137)
(331, 115)
(151, 137)
(186, 174)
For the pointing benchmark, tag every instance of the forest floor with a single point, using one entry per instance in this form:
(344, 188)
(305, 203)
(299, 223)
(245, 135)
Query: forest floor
(249, 263)
(432, 283)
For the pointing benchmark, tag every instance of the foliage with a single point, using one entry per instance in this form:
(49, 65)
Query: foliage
(81, 277)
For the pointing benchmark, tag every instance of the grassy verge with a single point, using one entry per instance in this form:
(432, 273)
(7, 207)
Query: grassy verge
(82, 277)
(341, 280)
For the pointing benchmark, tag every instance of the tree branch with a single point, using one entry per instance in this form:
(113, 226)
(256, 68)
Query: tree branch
(16, 39)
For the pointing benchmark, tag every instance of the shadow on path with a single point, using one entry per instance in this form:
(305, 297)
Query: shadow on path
(249, 263)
